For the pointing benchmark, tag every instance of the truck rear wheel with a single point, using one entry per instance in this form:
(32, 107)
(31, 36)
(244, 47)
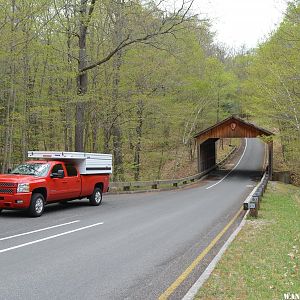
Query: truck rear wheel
(37, 205)
(96, 197)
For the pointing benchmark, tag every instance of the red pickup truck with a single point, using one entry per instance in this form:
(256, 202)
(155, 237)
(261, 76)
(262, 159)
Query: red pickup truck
(36, 183)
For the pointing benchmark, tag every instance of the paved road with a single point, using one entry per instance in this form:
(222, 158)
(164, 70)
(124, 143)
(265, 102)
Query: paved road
(131, 247)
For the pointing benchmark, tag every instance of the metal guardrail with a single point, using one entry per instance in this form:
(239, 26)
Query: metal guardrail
(253, 203)
(229, 155)
(155, 184)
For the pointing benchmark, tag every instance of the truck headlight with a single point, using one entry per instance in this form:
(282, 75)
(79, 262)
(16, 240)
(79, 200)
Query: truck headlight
(23, 188)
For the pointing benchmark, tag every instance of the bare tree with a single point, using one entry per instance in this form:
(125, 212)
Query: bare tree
(162, 23)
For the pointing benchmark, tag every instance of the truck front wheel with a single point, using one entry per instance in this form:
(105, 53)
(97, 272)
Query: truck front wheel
(96, 197)
(37, 205)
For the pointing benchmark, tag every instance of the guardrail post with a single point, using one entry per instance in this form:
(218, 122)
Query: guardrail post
(253, 206)
(265, 184)
(252, 203)
(253, 211)
(260, 193)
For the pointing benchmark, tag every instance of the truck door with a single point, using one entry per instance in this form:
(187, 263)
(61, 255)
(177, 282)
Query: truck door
(74, 181)
(57, 186)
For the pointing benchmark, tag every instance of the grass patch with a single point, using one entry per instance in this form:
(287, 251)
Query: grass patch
(264, 260)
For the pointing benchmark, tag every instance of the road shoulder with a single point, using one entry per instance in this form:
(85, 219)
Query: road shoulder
(264, 260)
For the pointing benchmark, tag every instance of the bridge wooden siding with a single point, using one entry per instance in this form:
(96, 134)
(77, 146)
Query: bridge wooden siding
(232, 127)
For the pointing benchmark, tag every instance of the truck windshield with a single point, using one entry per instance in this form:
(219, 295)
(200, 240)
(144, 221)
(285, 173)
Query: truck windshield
(35, 169)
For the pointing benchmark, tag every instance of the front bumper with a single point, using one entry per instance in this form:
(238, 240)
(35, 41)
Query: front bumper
(15, 201)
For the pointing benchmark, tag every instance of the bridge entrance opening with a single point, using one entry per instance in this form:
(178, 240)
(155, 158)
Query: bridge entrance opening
(232, 127)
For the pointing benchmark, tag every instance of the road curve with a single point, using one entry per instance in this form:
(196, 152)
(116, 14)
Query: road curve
(131, 247)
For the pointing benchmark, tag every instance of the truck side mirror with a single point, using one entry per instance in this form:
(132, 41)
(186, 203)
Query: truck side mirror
(8, 170)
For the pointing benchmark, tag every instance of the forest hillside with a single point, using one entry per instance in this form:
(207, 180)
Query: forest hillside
(137, 80)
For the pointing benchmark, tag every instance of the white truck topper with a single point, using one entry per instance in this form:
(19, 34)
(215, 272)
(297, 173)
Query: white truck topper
(87, 163)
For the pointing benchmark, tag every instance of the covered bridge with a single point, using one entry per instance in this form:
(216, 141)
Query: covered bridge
(232, 127)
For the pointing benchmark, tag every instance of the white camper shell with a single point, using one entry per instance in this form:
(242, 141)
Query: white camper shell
(87, 163)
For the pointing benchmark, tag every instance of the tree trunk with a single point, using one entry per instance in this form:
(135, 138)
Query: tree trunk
(106, 139)
(116, 128)
(67, 105)
(29, 82)
(11, 95)
(82, 79)
(138, 148)
(160, 165)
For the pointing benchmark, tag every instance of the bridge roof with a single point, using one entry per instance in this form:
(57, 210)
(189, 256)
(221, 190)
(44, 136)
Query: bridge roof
(232, 127)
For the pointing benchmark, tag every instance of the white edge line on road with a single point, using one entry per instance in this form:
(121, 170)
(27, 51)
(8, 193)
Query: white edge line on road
(198, 284)
(38, 230)
(50, 237)
(207, 272)
(232, 169)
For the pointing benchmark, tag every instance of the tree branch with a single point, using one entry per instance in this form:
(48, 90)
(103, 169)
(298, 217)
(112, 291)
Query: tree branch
(161, 31)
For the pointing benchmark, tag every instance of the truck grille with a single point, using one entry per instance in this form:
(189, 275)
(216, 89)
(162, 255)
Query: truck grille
(6, 191)
(7, 187)
(7, 184)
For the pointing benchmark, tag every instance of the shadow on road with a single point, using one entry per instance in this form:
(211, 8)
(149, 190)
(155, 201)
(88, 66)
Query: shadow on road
(50, 208)
(220, 173)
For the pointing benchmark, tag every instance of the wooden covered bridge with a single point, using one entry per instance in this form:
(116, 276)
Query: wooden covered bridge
(232, 127)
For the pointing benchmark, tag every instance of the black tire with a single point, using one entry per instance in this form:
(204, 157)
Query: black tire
(37, 205)
(0, 210)
(96, 197)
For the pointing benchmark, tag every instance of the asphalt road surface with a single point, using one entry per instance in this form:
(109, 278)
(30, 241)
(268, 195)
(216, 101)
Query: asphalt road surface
(133, 246)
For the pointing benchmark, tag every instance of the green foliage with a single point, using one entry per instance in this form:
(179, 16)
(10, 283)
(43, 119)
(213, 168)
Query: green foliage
(167, 87)
(269, 84)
